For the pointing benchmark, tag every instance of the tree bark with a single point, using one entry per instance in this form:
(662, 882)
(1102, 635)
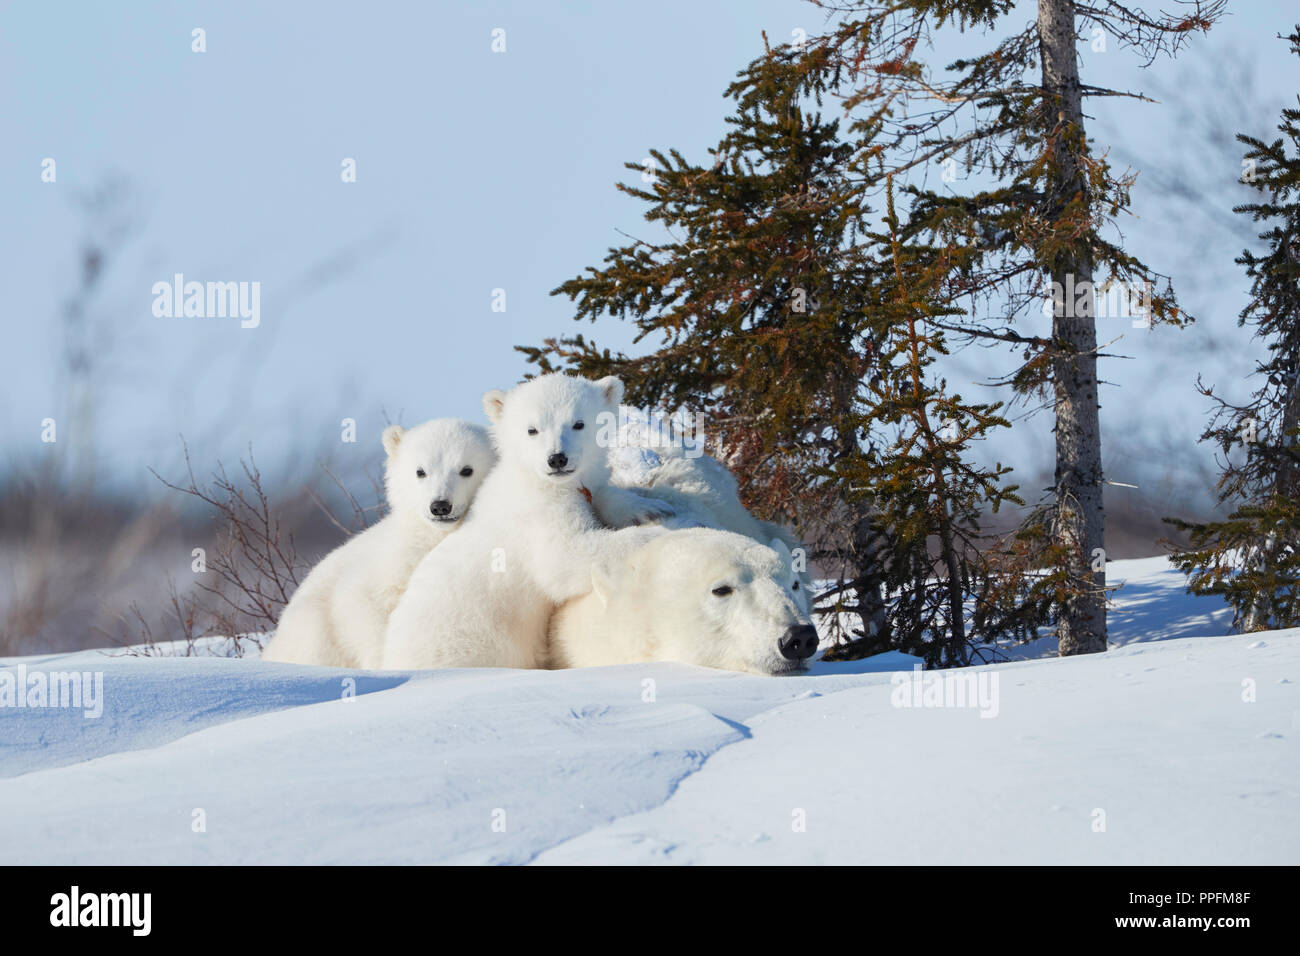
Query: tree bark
(1259, 617)
(1080, 518)
(873, 611)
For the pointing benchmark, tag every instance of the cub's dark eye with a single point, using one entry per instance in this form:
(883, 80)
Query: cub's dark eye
(466, 471)
(419, 473)
(722, 591)
(578, 426)
(532, 431)
(795, 586)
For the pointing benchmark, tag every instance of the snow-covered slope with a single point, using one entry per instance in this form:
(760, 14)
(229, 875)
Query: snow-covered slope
(1147, 754)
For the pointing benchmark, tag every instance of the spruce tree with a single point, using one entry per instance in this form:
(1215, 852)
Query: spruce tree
(925, 491)
(1252, 558)
(806, 340)
(1014, 115)
(763, 326)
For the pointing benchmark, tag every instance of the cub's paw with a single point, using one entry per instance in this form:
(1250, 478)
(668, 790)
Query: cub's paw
(650, 511)
(620, 508)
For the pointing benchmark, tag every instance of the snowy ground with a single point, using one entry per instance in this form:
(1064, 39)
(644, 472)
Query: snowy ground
(1147, 754)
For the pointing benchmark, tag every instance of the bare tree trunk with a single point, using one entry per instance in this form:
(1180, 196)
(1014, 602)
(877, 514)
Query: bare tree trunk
(865, 543)
(956, 603)
(1286, 483)
(1258, 616)
(1080, 519)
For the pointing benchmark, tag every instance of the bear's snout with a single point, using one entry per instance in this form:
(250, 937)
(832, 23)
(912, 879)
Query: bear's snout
(440, 508)
(799, 642)
(558, 462)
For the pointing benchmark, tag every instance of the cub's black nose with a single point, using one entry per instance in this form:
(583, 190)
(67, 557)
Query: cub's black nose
(441, 508)
(557, 461)
(799, 642)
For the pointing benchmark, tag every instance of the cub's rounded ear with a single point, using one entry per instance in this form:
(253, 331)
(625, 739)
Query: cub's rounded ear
(494, 404)
(781, 548)
(611, 386)
(392, 437)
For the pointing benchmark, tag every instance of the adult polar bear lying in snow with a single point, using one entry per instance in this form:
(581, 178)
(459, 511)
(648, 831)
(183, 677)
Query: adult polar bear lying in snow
(338, 615)
(484, 597)
(697, 596)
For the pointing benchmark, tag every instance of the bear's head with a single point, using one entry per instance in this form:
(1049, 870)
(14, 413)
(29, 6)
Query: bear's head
(792, 579)
(712, 598)
(555, 426)
(434, 470)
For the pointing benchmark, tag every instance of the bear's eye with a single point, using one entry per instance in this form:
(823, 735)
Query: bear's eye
(722, 591)
(578, 426)
(466, 471)
(532, 431)
(419, 473)
(795, 586)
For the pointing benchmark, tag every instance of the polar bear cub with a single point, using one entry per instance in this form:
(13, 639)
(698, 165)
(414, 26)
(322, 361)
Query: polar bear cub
(703, 493)
(484, 597)
(338, 615)
(696, 596)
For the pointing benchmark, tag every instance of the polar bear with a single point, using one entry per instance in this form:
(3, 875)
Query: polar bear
(484, 597)
(338, 615)
(696, 596)
(702, 491)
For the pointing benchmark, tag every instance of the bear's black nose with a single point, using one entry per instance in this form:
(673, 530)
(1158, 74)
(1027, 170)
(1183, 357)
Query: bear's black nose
(441, 508)
(799, 642)
(557, 461)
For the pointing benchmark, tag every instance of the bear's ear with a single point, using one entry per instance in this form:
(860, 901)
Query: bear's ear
(602, 585)
(611, 386)
(392, 437)
(781, 548)
(494, 404)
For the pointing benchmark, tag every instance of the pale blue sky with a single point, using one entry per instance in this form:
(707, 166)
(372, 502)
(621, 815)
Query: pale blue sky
(475, 171)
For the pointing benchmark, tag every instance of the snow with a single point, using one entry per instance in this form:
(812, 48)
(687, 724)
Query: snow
(1153, 605)
(1146, 754)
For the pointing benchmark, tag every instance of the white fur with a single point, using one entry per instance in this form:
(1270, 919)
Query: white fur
(657, 604)
(338, 615)
(484, 598)
(703, 493)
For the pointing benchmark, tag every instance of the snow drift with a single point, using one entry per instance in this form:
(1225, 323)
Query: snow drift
(1176, 747)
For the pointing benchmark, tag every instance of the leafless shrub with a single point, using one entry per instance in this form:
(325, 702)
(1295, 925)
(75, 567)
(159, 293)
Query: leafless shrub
(183, 615)
(255, 561)
(362, 517)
